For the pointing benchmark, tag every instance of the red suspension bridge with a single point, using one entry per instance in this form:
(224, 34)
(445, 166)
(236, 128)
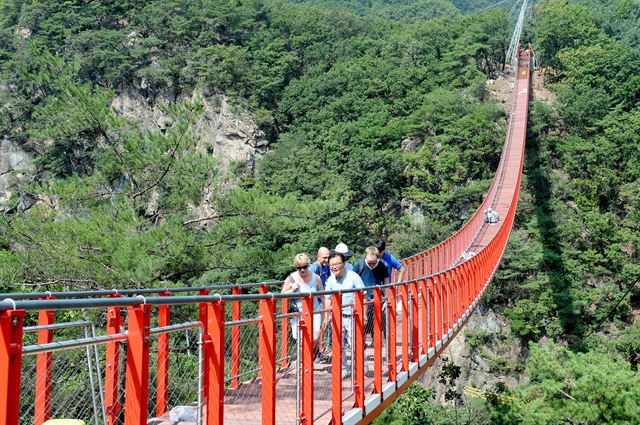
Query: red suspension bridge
(125, 359)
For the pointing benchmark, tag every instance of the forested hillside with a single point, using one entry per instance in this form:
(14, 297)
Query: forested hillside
(337, 94)
(569, 281)
(380, 124)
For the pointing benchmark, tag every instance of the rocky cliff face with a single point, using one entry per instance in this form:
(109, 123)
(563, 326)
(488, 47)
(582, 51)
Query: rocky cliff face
(14, 162)
(486, 352)
(226, 130)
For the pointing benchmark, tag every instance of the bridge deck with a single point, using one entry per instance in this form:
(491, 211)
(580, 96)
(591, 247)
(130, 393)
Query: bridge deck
(242, 404)
(508, 181)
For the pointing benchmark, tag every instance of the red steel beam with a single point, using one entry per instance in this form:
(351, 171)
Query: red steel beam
(235, 338)
(213, 344)
(306, 333)
(11, 330)
(112, 372)
(377, 340)
(162, 383)
(268, 355)
(392, 360)
(137, 375)
(336, 359)
(415, 341)
(358, 349)
(44, 373)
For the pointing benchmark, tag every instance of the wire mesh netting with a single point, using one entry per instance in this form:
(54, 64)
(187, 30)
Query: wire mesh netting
(242, 369)
(288, 372)
(73, 376)
(179, 397)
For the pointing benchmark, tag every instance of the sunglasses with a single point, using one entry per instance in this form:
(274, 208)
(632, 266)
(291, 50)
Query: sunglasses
(305, 267)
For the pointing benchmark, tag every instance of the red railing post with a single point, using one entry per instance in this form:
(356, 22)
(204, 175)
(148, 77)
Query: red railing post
(457, 298)
(44, 374)
(306, 333)
(391, 343)
(452, 298)
(377, 340)
(235, 338)
(415, 341)
(432, 262)
(358, 350)
(162, 383)
(404, 291)
(462, 300)
(446, 302)
(336, 359)
(268, 350)
(424, 316)
(432, 313)
(137, 376)
(11, 329)
(202, 316)
(466, 283)
(213, 347)
(112, 360)
(263, 290)
(445, 255)
(483, 262)
(284, 330)
(476, 275)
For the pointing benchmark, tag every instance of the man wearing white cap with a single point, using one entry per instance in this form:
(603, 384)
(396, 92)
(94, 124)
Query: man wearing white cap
(343, 249)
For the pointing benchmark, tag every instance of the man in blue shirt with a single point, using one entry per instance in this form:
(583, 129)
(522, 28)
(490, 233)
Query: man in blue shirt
(321, 265)
(391, 261)
(373, 272)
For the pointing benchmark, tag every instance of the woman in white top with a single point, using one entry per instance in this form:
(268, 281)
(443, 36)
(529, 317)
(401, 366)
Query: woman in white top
(304, 281)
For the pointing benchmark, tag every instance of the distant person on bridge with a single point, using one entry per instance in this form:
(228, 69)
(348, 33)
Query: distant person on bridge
(304, 281)
(321, 265)
(491, 216)
(391, 261)
(373, 272)
(342, 279)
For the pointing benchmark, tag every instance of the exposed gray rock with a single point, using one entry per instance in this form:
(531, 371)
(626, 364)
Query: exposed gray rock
(414, 212)
(225, 130)
(14, 162)
(496, 359)
(412, 144)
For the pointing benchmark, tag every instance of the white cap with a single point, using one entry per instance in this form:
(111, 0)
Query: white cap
(344, 250)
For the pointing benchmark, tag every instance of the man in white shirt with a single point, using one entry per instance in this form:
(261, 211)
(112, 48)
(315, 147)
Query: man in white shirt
(342, 279)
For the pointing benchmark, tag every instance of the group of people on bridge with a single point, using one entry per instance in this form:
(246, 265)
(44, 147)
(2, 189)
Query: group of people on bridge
(333, 270)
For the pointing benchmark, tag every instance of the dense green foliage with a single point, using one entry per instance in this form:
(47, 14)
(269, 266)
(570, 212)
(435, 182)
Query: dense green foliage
(571, 271)
(579, 227)
(408, 10)
(566, 387)
(113, 203)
